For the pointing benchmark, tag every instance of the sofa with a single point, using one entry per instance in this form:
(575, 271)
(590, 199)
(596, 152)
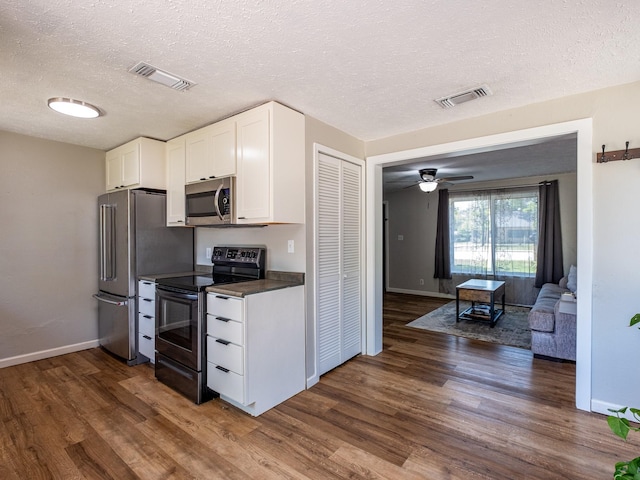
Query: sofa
(552, 320)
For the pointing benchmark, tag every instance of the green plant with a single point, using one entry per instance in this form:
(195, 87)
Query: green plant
(621, 427)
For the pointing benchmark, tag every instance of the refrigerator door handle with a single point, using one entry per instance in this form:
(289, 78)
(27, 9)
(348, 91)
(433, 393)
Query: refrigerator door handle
(107, 242)
(101, 298)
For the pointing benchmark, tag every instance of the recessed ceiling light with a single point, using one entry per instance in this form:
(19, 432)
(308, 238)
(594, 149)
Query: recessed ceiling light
(75, 108)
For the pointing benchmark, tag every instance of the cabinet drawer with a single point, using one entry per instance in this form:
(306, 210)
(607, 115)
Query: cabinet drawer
(228, 356)
(224, 306)
(147, 306)
(146, 289)
(225, 382)
(147, 346)
(146, 325)
(222, 327)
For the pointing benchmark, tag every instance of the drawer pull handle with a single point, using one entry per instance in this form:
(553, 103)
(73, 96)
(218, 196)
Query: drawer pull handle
(222, 319)
(147, 316)
(223, 342)
(146, 337)
(147, 300)
(221, 297)
(225, 370)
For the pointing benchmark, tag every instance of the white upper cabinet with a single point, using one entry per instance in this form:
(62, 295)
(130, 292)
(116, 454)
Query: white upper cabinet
(270, 165)
(139, 163)
(211, 151)
(175, 160)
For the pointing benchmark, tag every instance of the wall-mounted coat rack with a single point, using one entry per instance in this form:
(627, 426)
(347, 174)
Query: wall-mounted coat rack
(625, 154)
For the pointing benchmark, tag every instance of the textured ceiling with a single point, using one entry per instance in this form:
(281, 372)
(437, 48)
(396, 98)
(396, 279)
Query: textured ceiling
(370, 68)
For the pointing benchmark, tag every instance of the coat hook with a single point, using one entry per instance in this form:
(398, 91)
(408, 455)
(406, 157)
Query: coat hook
(625, 155)
(603, 159)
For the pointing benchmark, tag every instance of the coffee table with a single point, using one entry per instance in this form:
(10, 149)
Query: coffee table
(484, 292)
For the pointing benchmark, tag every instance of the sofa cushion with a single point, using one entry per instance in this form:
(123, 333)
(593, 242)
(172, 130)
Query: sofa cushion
(542, 314)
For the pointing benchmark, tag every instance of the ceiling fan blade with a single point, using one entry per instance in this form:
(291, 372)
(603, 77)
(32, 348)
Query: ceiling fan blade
(455, 179)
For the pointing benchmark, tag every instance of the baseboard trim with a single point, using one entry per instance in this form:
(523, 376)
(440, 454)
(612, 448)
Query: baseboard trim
(598, 406)
(53, 352)
(422, 293)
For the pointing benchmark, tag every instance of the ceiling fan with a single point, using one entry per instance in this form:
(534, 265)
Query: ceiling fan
(428, 181)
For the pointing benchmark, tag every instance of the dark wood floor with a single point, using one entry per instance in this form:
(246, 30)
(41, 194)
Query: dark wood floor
(429, 406)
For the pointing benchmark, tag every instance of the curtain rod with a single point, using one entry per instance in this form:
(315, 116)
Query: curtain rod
(546, 182)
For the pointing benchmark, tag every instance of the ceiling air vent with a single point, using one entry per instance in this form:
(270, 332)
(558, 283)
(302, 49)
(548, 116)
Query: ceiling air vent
(466, 96)
(165, 78)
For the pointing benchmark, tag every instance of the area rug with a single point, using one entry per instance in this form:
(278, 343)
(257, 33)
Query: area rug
(512, 327)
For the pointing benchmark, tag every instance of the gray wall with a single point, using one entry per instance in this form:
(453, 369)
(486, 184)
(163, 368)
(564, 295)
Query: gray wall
(48, 245)
(413, 214)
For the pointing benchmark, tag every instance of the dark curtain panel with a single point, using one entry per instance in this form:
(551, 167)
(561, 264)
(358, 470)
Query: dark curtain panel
(443, 258)
(549, 268)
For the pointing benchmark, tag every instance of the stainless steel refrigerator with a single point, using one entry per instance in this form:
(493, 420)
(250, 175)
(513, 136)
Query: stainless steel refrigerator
(134, 240)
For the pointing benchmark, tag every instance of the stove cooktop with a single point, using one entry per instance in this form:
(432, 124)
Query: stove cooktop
(230, 265)
(198, 283)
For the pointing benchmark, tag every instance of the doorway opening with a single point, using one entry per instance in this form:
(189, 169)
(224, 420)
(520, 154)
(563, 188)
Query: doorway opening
(582, 129)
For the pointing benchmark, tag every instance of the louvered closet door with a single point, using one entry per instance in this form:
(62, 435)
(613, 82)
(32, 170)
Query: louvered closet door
(339, 289)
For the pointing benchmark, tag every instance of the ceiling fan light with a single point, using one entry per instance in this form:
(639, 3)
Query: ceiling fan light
(428, 186)
(74, 108)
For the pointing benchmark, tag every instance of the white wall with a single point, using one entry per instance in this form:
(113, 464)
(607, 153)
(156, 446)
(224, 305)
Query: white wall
(413, 215)
(48, 247)
(614, 223)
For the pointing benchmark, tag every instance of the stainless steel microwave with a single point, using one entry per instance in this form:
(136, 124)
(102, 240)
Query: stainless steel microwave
(211, 202)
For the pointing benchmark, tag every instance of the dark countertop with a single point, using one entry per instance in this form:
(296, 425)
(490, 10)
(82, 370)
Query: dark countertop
(273, 281)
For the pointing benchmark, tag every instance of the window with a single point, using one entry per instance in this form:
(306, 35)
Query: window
(494, 232)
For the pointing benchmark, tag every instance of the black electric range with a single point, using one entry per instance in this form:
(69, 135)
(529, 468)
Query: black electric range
(181, 310)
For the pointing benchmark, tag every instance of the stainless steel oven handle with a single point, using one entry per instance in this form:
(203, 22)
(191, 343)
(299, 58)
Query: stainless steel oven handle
(100, 298)
(171, 293)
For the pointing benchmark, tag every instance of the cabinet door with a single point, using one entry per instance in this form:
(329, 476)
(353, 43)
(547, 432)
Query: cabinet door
(198, 147)
(211, 151)
(175, 158)
(131, 164)
(114, 169)
(253, 182)
(223, 148)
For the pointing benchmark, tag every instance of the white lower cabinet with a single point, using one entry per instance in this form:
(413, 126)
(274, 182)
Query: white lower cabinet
(255, 347)
(147, 319)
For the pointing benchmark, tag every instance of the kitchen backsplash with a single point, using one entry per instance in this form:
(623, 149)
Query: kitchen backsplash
(275, 238)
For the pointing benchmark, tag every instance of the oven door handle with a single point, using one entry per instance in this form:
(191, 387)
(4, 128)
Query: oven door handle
(170, 293)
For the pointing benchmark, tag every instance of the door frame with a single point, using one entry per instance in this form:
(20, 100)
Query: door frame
(317, 150)
(583, 129)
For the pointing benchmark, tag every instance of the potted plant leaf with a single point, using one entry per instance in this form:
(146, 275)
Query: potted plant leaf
(621, 426)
